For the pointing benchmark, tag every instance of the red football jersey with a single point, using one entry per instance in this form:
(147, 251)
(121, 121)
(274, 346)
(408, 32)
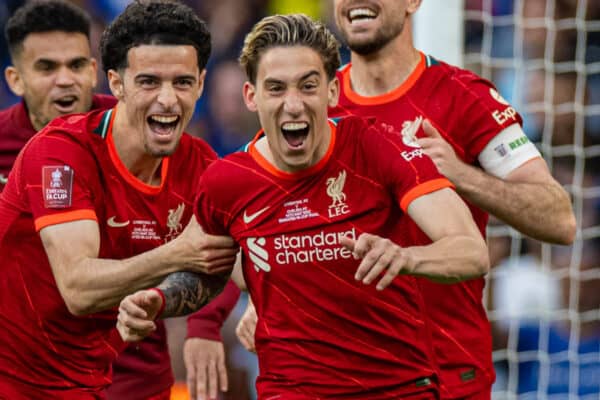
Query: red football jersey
(320, 332)
(16, 130)
(468, 112)
(71, 171)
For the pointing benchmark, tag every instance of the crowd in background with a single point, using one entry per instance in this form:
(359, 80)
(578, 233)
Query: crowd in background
(544, 301)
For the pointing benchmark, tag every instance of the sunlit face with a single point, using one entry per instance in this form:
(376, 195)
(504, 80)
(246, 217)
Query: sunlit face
(291, 95)
(157, 93)
(368, 25)
(55, 74)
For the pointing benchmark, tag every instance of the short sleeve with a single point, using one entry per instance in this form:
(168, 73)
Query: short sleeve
(402, 164)
(209, 211)
(480, 113)
(56, 174)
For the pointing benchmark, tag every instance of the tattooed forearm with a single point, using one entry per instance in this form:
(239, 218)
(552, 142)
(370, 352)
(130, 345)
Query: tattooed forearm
(187, 292)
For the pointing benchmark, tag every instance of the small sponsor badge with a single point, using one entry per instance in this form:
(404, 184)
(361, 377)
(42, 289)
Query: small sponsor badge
(57, 186)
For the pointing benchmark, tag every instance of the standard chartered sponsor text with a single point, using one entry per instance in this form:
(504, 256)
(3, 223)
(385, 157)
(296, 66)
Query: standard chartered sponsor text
(322, 246)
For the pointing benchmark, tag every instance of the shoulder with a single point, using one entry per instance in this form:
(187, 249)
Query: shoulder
(103, 101)
(441, 75)
(14, 121)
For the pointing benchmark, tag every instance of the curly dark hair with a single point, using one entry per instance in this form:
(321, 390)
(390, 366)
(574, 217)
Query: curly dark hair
(44, 16)
(153, 22)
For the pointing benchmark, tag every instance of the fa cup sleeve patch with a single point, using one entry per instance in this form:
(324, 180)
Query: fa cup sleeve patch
(57, 186)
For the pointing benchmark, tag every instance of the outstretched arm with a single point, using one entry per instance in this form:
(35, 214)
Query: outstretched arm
(90, 284)
(528, 198)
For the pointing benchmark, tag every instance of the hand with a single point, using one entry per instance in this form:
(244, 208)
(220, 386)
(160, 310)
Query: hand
(378, 254)
(205, 365)
(246, 327)
(209, 254)
(441, 153)
(137, 313)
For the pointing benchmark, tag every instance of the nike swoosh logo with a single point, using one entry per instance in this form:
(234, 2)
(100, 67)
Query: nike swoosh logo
(252, 217)
(111, 222)
(3, 179)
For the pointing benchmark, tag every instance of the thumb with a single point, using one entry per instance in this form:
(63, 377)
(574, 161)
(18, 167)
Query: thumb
(429, 130)
(152, 303)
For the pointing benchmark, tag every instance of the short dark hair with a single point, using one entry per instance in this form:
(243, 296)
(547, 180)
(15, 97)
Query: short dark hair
(289, 30)
(153, 22)
(44, 16)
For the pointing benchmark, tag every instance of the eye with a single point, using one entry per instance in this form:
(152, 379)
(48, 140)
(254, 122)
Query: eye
(45, 66)
(275, 88)
(309, 86)
(147, 82)
(79, 64)
(184, 83)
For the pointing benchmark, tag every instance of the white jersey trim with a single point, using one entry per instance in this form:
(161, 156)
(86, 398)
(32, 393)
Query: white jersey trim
(507, 151)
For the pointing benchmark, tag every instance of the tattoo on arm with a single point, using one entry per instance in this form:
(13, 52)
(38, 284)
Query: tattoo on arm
(187, 292)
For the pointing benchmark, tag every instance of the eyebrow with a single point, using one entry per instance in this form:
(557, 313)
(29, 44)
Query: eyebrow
(51, 62)
(153, 76)
(302, 78)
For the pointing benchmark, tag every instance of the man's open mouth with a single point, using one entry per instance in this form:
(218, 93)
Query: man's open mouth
(295, 133)
(162, 124)
(361, 14)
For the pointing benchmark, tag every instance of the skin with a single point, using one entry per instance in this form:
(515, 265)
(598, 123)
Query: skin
(292, 87)
(53, 80)
(159, 82)
(529, 198)
(162, 81)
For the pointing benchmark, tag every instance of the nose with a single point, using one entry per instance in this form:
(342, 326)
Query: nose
(65, 77)
(167, 97)
(293, 103)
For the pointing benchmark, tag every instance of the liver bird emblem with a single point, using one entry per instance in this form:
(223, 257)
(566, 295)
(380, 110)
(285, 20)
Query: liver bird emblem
(335, 187)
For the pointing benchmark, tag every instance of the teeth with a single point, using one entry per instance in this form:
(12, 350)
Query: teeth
(67, 98)
(294, 126)
(164, 119)
(362, 13)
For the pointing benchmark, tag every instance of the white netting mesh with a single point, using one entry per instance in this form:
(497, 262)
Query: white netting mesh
(544, 301)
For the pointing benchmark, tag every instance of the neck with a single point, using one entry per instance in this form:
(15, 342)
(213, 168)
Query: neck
(131, 152)
(386, 69)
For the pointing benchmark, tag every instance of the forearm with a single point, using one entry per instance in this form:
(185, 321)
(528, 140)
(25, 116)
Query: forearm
(541, 210)
(187, 292)
(95, 284)
(450, 259)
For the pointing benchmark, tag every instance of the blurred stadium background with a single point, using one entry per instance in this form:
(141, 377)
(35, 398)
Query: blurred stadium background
(544, 57)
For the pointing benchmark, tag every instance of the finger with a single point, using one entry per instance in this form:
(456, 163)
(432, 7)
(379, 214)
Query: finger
(380, 265)
(364, 244)
(222, 371)
(218, 255)
(129, 307)
(347, 242)
(212, 379)
(190, 367)
(201, 382)
(137, 324)
(430, 130)
(218, 242)
(368, 262)
(391, 273)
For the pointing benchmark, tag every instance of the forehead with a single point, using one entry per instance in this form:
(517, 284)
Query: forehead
(55, 45)
(161, 59)
(289, 63)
